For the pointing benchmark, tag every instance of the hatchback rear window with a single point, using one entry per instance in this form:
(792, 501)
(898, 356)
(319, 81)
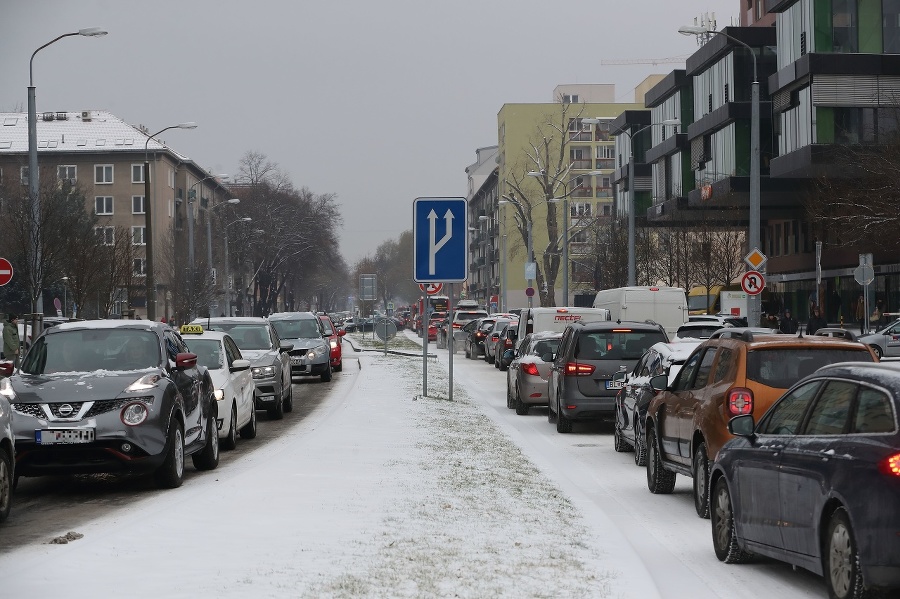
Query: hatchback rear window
(782, 367)
(616, 344)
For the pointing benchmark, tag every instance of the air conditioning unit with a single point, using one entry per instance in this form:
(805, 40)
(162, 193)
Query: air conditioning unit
(85, 115)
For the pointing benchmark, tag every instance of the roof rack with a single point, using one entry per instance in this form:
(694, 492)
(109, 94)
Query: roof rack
(742, 333)
(836, 332)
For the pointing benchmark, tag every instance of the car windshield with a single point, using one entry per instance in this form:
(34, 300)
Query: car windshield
(782, 367)
(247, 336)
(93, 349)
(209, 352)
(326, 324)
(300, 328)
(616, 344)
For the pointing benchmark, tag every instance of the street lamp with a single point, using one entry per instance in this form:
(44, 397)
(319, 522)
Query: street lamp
(209, 258)
(65, 282)
(245, 219)
(632, 271)
(525, 217)
(755, 302)
(148, 219)
(37, 270)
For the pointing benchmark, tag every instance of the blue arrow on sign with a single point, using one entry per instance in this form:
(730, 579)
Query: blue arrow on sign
(440, 250)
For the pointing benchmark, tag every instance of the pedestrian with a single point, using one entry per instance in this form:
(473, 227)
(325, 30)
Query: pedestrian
(861, 313)
(875, 319)
(816, 322)
(11, 339)
(788, 324)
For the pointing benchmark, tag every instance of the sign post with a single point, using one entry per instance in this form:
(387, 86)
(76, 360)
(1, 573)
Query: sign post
(864, 274)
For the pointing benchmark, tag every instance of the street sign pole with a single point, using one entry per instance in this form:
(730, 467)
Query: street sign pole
(450, 339)
(424, 316)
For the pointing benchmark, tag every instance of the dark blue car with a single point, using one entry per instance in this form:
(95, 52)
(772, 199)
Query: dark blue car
(817, 482)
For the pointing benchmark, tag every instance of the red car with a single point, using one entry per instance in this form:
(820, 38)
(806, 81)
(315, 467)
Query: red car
(334, 340)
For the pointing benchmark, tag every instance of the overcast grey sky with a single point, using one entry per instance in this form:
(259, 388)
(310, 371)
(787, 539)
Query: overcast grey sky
(378, 102)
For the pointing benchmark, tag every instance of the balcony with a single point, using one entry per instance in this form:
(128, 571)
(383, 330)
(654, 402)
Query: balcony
(583, 164)
(606, 164)
(580, 136)
(604, 192)
(583, 192)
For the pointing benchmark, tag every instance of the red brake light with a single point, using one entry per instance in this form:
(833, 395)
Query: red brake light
(577, 369)
(890, 465)
(561, 310)
(530, 368)
(740, 401)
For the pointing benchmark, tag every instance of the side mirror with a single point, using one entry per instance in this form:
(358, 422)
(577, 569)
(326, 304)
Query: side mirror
(509, 355)
(341, 332)
(742, 425)
(285, 346)
(547, 357)
(660, 382)
(6, 368)
(185, 360)
(239, 365)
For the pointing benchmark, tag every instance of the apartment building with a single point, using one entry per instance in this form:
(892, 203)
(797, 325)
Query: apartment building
(485, 243)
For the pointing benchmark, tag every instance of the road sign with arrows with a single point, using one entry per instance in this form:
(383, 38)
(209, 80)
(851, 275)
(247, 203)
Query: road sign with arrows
(440, 248)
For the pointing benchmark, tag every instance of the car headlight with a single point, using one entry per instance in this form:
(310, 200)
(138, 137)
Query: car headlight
(134, 413)
(6, 389)
(220, 395)
(148, 381)
(261, 372)
(311, 355)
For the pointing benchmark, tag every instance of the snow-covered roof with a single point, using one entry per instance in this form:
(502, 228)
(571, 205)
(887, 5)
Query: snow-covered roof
(82, 131)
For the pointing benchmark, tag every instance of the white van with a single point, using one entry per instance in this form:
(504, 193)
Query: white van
(533, 320)
(666, 306)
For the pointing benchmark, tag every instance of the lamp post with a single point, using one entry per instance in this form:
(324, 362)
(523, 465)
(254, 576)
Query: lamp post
(632, 270)
(37, 271)
(148, 220)
(754, 307)
(209, 258)
(525, 216)
(65, 282)
(227, 288)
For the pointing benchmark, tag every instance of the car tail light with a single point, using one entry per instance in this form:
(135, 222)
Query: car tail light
(531, 368)
(740, 401)
(507, 343)
(578, 369)
(890, 465)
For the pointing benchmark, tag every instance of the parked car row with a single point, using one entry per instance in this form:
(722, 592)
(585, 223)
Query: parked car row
(140, 396)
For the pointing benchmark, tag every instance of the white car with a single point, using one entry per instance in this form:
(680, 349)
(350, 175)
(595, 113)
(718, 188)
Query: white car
(232, 381)
(7, 450)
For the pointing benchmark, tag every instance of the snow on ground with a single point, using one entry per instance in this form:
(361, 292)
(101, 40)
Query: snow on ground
(379, 493)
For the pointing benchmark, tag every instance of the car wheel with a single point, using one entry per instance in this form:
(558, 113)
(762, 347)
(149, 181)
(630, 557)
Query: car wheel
(276, 412)
(511, 397)
(249, 430)
(6, 484)
(619, 442)
(230, 442)
(521, 406)
(722, 518)
(700, 469)
(289, 400)
(326, 376)
(339, 367)
(170, 474)
(659, 480)
(640, 450)
(563, 424)
(551, 415)
(841, 556)
(466, 350)
(878, 353)
(208, 457)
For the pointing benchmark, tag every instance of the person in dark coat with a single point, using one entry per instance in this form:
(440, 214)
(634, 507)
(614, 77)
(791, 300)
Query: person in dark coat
(816, 322)
(788, 324)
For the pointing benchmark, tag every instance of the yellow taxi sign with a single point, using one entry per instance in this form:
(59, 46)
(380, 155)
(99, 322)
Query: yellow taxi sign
(191, 329)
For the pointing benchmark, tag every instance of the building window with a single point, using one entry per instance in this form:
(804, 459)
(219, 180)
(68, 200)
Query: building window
(66, 172)
(607, 210)
(137, 173)
(137, 204)
(844, 24)
(139, 267)
(23, 175)
(103, 205)
(570, 98)
(105, 235)
(579, 209)
(580, 237)
(171, 204)
(171, 178)
(137, 236)
(103, 174)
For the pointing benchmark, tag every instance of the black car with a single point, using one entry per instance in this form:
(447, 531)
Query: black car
(476, 332)
(817, 482)
(581, 385)
(112, 396)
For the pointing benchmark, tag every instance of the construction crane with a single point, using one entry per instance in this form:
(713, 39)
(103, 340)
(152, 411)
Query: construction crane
(653, 61)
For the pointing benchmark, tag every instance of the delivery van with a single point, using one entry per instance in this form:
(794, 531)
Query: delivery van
(666, 306)
(534, 320)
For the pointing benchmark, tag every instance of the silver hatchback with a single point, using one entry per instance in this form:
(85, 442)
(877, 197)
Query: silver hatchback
(526, 378)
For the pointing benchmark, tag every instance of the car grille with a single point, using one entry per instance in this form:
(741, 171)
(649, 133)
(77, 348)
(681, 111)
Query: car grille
(106, 405)
(29, 409)
(76, 409)
(299, 352)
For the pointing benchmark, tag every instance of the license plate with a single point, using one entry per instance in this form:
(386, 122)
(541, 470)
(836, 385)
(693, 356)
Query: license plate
(614, 384)
(66, 436)
(296, 361)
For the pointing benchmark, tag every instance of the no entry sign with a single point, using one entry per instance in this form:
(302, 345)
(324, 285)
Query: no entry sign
(6, 271)
(753, 282)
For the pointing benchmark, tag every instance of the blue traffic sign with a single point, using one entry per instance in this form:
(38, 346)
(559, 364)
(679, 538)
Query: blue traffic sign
(440, 251)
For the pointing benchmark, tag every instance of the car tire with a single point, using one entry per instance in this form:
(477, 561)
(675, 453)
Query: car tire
(249, 430)
(722, 517)
(659, 480)
(511, 397)
(619, 442)
(288, 401)
(640, 451)
(170, 473)
(466, 352)
(878, 352)
(563, 424)
(208, 457)
(230, 441)
(339, 367)
(700, 470)
(521, 407)
(276, 412)
(326, 376)
(551, 415)
(843, 576)
(6, 484)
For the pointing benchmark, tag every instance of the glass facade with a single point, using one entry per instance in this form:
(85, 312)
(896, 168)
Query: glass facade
(838, 26)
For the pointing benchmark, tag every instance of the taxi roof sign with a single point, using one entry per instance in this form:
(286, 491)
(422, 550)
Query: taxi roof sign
(191, 329)
(755, 259)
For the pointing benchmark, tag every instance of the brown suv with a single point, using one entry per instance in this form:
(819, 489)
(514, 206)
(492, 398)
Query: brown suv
(737, 371)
